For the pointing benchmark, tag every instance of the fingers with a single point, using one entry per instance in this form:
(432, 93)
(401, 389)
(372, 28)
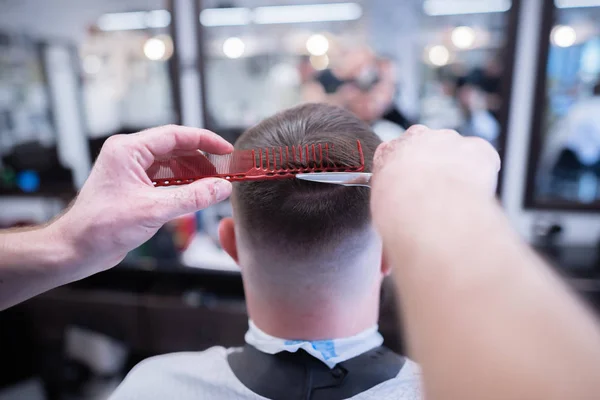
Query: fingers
(384, 153)
(416, 130)
(164, 140)
(487, 151)
(435, 143)
(171, 203)
(388, 150)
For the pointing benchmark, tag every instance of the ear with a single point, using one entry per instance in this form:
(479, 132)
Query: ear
(227, 238)
(386, 268)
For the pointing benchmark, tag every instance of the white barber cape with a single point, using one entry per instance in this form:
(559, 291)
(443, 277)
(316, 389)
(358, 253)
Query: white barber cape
(207, 374)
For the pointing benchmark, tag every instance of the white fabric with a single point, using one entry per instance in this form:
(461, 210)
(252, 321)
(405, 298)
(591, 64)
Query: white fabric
(207, 376)
(387, 130)
(331, 352)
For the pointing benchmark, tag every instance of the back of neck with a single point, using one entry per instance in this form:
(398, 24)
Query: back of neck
(325, 320)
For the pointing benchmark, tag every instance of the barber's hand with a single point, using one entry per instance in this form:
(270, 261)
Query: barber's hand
(425, 174)
(435, 157)
(118, 207)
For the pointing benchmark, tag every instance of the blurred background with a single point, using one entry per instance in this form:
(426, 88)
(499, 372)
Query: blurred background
(524, 75)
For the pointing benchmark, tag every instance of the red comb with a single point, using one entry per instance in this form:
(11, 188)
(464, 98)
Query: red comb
(181, 168)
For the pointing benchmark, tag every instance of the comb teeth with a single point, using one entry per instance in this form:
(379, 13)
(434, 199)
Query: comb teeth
(259, 164)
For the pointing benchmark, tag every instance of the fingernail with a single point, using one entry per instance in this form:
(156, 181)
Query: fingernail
(222, 189)
(415, 129)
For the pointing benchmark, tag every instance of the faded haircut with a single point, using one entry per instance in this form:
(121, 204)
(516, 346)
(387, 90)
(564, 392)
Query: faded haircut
(304, 217)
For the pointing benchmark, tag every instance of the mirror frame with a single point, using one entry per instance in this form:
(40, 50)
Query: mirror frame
(536, 142)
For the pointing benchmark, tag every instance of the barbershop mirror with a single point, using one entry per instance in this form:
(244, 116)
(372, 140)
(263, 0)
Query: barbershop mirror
(126, 74)
(564, 169)
(121, 52)
(29, 157)
(444, 63)
(466, 72)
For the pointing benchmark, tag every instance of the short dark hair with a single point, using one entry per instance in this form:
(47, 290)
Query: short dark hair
(297, 215)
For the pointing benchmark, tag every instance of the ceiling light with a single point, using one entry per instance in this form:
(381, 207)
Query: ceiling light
(134, 20)
(280, 14)
(307, 13)
(463, 37)
(438, 55)
(234, 47)
(563, 36)
(225, 16)
(158, 19)
(576, 3)
(155, 49)
(317, 45)
(458, 7)
(159, 48)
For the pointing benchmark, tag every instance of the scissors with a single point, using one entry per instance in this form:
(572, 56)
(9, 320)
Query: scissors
(339, 178)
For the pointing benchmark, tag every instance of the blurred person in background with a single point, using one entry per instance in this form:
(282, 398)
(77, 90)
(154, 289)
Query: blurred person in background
(489, 80)
(478, 120)
(573, 150)
(439, 107)
(481, 100)
(466, 102)
(363, 83)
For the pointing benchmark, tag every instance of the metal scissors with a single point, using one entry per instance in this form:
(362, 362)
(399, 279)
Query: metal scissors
(339, 178)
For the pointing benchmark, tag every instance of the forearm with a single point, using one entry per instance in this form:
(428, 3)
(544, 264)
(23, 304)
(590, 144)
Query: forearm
(484, 315)
(33, 261)
(110, 217)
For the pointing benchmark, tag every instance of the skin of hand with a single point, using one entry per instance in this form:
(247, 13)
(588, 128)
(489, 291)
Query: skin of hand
(485, 317)
(118, 207)
(475, 163)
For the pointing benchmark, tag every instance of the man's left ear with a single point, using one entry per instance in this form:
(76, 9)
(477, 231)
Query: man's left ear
(227, 238)
(386, 268)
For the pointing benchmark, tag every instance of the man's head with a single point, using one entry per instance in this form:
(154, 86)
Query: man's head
(299, 241)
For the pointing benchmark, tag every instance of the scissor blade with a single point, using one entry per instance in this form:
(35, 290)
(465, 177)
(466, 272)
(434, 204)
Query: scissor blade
(323, 178)
(336, 178)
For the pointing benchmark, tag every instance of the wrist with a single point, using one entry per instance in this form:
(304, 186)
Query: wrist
(432, 218)
(62, 254)
(41, 251)
(88, 246)
(424, 200)
(34, 261)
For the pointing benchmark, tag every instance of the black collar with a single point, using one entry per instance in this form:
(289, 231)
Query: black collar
(300, 376)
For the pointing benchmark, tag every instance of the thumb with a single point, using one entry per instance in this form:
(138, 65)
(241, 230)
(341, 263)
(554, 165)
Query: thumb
(175, 202)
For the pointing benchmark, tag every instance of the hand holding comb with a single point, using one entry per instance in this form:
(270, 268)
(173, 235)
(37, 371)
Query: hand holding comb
(180, 168)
